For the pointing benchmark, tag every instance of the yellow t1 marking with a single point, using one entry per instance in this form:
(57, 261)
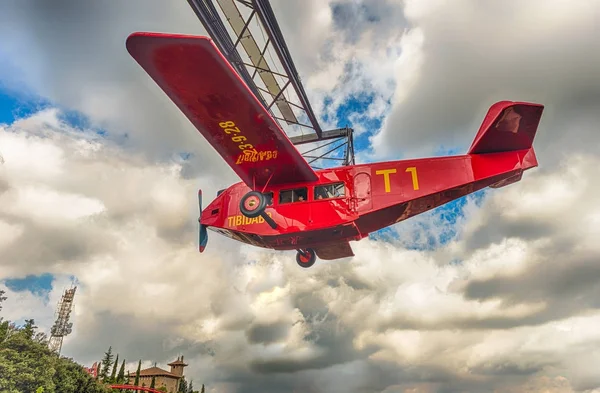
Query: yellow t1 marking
(386, 177)
(415, 180)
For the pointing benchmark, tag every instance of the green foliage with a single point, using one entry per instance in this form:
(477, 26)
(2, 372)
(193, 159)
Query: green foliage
(106, 363)
(2, 298)
(163, 388)
(7, 329)
(113, 375)
(27, 365)
(190, 388)
(121, 375)
(29, 328)
(202, 391)
(182, 385)
(137, 374)
(153, 382)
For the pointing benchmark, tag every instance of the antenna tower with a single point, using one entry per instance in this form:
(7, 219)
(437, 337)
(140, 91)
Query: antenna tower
(62, 326)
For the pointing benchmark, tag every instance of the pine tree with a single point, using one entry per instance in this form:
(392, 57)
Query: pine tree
(182, 386)
(202, 391)
(121, 375)
(2, 298)
(190, 388)
(29, 328)
(137, 373)
(153, 383)
(106, 363)
(113, 375)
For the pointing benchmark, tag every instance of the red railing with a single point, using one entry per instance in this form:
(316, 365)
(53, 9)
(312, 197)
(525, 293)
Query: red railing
(135, 388)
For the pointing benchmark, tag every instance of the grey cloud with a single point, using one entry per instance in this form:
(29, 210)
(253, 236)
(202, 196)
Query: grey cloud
(565, 285)
(524, 229)
(129, 336)
(491, 55)
(267, 333)
(568, 285)
(353, 19)
(74, 54)
(45, 246)
(134, 339)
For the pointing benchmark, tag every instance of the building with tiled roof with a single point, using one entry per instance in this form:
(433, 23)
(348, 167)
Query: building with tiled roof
(168, 379)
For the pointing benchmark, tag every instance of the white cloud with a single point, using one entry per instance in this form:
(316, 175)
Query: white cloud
(389, 306)
(515, 309)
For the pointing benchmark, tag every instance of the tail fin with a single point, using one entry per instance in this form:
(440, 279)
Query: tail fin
(507, 126)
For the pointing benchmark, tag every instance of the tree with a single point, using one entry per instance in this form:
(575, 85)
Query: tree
(24, 365)
(7, 329)
(121, 375)
(106, 363)
(202, 391)
(41, 337)
(153, 382)
(182, 385)
(29, 328)
(113, 375)
(29, 366)
(2, 298)
(190, 388)
(137, 373)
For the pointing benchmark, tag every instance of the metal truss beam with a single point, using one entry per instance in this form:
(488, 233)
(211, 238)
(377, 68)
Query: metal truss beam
(268, 70)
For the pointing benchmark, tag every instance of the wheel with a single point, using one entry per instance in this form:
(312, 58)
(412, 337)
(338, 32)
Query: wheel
(253, 204)
(306, 258)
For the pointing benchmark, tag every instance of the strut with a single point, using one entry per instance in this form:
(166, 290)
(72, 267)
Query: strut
(249, 36)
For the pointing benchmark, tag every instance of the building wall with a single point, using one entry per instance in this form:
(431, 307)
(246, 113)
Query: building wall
(170, 383)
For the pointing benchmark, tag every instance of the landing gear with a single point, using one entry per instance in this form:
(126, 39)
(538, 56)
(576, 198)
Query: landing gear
(306, 258)
(253, 204)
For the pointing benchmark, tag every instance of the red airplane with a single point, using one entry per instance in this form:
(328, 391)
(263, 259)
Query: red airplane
(282, 203)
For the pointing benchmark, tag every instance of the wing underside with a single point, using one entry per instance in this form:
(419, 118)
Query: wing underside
(334, 251)
(204, 86)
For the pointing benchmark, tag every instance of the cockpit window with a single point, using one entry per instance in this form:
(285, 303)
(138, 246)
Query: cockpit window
(295, 195)
(269, 196)
(328, 191)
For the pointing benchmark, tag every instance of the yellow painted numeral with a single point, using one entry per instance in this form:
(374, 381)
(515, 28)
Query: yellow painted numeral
(227, 124)
(415, 179)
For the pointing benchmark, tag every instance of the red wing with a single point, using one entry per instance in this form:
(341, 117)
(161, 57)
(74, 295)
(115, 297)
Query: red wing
(200, 81)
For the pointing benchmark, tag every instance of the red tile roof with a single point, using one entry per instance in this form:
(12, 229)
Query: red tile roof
(154, 371)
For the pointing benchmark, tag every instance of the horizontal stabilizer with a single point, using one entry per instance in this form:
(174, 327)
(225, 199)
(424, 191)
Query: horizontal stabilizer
(508, 126)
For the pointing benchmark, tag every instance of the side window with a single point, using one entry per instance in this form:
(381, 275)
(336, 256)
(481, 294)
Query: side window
(295, 195)
(269, 196)
(328, 191)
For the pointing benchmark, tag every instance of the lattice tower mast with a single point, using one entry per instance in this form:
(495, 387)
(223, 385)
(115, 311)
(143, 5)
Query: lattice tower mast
(62, 327)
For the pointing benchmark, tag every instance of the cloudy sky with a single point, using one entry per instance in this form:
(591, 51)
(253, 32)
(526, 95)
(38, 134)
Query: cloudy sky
(497, 292)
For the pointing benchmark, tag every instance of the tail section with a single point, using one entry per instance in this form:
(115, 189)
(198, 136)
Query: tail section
(508, 126)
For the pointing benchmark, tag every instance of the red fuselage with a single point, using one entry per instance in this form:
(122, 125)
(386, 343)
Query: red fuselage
(374, 196)
(316, 212)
